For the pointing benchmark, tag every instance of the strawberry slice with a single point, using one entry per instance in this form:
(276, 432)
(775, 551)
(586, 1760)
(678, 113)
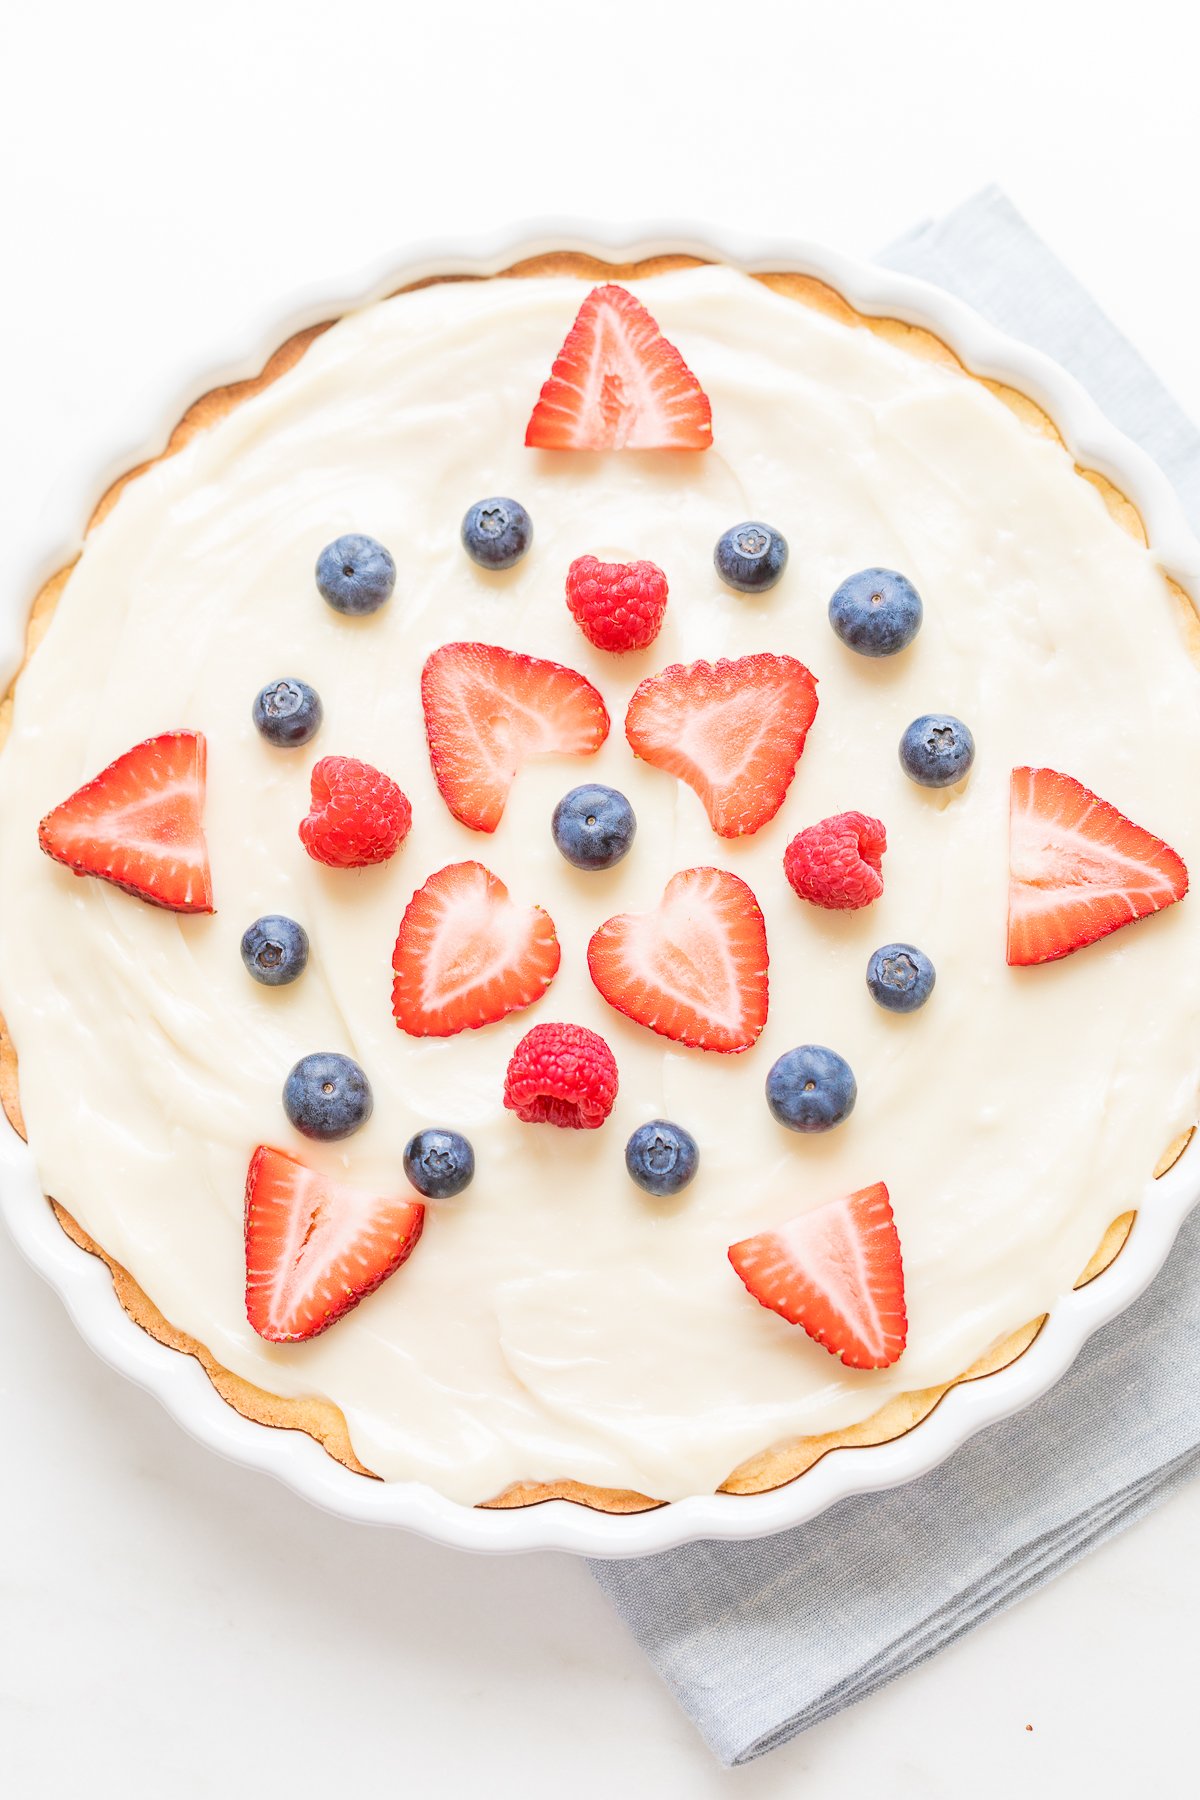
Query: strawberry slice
(139, 824)
(617, 384)
(1078, 868)
(694, 970)
(732, 730)
(836, 1271)
(467, 955)
(488, 710)
(316, 1247)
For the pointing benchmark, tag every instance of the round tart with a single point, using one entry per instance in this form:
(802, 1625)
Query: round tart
(551, 1324)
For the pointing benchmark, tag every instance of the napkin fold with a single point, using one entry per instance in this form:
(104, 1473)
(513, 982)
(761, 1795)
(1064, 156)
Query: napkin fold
(758, 1641)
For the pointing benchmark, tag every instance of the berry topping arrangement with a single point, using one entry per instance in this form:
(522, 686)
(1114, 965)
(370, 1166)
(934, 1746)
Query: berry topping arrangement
(811, 1089)
(662, 1158)
(316, 1247)
(140, 824)
(617, 384)
(835, 1271)
(562, 1075)
(593, 826)
(358, 814)
(839, 863)
(275, 950)
(750, 557)
(466, 954)
(900, 977)
(617, 606)
(440, 1164)
(497, 533)
(1078, 868)
(488, 710)
(724, 741)
(355, 575)
(288, 713)
(937, 750)
(327, 1096)
(876, 612)
(695, 969)
(732, 730)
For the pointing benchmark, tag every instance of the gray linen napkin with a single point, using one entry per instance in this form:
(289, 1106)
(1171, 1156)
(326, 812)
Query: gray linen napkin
(759, 1641)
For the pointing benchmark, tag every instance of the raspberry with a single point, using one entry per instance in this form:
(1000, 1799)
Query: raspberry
(837, 863)
(618, 606)
(561, 1075)
(358, 814)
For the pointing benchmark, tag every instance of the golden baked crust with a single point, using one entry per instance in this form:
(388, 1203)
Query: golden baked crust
(779, 1463)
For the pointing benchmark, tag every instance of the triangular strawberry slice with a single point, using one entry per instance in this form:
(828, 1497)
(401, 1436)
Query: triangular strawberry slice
(466, 955)
(316, 1247)
(695, 970)
(139, 824)
(732, 730)
(617, 384)
(488, 710)
(1078, 868)
(838, 1272)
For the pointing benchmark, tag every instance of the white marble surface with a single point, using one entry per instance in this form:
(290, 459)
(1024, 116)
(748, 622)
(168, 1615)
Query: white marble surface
(167, 1621)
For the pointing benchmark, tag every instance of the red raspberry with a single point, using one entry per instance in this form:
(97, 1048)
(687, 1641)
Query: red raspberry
(561, 1075)
(358, 814)
(618, 606)
(837, 863)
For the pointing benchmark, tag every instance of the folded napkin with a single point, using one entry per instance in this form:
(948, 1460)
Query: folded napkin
(759, 1641)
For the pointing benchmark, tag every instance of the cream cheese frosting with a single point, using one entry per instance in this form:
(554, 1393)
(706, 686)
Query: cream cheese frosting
(554, 1321)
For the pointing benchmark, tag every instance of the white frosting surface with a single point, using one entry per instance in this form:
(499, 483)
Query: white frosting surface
(554, 1321)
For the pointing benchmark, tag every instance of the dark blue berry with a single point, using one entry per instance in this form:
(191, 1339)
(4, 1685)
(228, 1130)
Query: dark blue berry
(593, 826)
(876, 612)
(287, 712)
(937, 750)
(327, 1096)
(661, 1157)
(439, 1164)
(275, 949)
(497, 533)
(355, 574)
(900, 977)
(811, 1088)
(751, 557)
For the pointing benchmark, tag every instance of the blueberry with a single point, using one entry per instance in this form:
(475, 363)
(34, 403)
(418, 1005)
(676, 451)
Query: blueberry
(751, 557)
(355, 574)
(497, 533)
(275, 950)
(287, 712)
(661, 1157)
(327, 1096)
(593, 826)
(900, 977)
(811, 1088)
(936, 750)
(876, 612)
(439, 1164)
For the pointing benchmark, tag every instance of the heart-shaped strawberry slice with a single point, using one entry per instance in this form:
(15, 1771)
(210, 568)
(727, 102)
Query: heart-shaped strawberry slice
(467, 955)
(695, 969)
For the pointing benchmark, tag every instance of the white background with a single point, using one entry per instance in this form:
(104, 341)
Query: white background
(172, 176)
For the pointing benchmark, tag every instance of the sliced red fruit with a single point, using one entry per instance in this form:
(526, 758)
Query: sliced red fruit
(140, 824)
(1078, 868)
(732, 730)
(694, 970)
(316, 1247)
(838, 1272)
(467, 955)
(617, 384)
(488, 710)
